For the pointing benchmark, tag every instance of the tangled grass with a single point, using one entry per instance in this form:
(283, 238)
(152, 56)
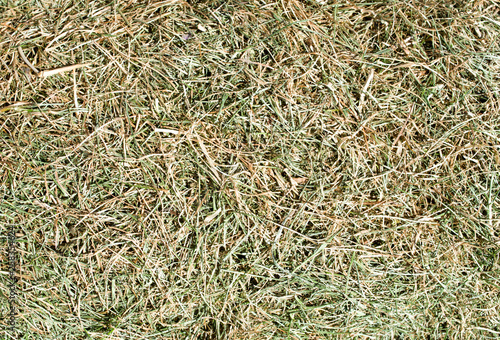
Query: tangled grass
(252, 169)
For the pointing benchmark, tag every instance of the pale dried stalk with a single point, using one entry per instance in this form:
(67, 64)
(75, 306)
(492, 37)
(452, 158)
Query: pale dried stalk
(55, 71)
(365, 90)
(48, 73)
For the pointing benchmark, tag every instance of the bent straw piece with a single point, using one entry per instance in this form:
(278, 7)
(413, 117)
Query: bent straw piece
(21, 53)
(48, 73)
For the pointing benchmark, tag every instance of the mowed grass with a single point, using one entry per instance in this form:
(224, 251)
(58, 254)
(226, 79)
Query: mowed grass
(252, 169)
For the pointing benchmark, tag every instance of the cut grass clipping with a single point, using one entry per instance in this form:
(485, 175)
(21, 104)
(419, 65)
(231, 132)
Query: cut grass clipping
(251, 169)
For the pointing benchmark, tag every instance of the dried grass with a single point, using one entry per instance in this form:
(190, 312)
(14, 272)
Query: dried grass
(253, 169)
